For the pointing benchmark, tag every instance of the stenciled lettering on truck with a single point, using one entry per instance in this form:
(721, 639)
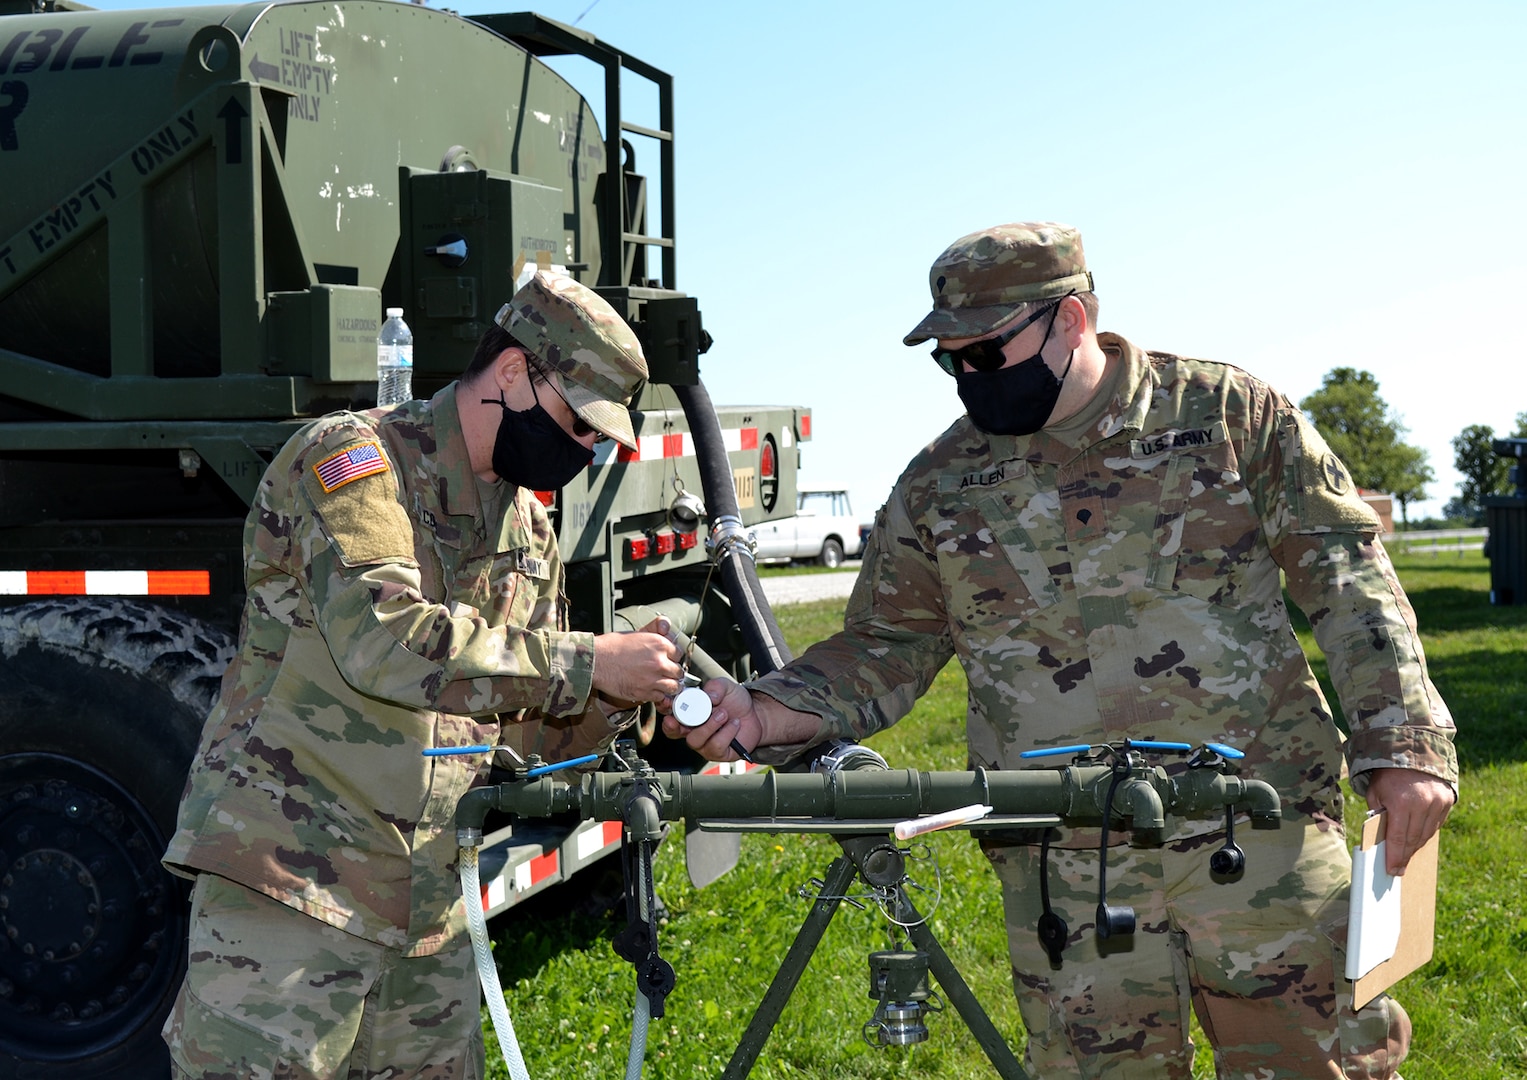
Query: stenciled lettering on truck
(85, 206)
(40, 53)
(301, 67)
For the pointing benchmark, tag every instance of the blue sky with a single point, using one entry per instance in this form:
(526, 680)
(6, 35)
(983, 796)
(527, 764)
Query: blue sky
(1287, 187)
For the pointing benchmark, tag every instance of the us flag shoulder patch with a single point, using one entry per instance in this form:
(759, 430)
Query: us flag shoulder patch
(337, 470)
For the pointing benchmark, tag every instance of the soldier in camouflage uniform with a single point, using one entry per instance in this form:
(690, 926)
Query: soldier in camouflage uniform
(1100, 542)
(404, 593)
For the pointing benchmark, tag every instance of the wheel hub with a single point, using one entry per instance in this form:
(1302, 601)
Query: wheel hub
(88, 935)
(67, 919)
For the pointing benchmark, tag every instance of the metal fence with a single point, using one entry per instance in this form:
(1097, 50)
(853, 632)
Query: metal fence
(1436, 542)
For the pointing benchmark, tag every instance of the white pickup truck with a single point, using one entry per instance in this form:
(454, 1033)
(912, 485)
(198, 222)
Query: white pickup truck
(824, 530)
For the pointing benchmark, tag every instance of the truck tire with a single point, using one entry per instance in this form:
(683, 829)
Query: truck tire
(101, 708)
(832, 552)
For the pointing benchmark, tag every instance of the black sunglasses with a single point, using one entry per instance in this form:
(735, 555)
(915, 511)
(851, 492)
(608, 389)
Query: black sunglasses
(582, 429)
(986, 354)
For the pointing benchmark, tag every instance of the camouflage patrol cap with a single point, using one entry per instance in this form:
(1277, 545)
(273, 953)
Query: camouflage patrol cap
(985, 279)
(577, 334)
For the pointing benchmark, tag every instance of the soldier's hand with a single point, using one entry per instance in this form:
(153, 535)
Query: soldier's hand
(642, 665)
(1416, 803)
(732, 716)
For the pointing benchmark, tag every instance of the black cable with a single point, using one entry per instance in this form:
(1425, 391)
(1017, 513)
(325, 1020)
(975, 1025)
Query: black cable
(1053, 931)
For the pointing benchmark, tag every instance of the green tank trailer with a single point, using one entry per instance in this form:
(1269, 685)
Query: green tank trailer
(1506, 516)
(206, 211)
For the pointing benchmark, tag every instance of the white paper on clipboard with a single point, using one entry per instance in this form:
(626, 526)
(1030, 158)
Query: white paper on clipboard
(1373, 924)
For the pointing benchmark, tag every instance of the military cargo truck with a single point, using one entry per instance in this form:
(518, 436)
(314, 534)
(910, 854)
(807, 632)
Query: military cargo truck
(205, 212)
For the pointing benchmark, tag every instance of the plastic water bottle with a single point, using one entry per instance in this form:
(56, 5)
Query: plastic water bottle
(394, 360)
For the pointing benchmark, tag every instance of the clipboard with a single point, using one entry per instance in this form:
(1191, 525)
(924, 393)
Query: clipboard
(1395, 916)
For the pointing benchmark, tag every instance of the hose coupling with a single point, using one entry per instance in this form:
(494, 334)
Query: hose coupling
(728, 533)
(845, 755)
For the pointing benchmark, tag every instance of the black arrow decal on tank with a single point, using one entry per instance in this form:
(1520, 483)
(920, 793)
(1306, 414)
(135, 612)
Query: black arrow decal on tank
(233, 115)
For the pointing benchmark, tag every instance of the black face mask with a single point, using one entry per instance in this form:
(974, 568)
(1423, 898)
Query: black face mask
(1014, 400)
(532, 450)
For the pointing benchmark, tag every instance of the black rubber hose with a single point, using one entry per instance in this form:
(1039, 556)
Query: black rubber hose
(760, 632)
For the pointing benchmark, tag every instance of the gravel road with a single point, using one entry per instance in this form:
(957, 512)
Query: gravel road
(784, 589)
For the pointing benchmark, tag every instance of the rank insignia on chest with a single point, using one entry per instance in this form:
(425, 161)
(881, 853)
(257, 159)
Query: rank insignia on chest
(352, 463)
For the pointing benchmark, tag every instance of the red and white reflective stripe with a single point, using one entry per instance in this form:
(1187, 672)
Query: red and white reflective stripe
(592, 838)
(657, 447)
(740, 438)
(678, 444)
(492, 893)
(529, 874)
(728, 768)
(595, 836)
(105, 583)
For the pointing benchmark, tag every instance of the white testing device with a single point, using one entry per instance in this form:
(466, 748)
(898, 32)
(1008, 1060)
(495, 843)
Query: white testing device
(692, 707)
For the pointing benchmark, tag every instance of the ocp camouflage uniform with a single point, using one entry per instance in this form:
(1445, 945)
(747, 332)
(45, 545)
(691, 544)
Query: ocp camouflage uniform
(389, 610)
(1118, 577)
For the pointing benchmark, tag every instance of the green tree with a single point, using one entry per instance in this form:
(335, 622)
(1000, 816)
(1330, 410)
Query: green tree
(1368, 436)
(1411, 478)
(1484, 471)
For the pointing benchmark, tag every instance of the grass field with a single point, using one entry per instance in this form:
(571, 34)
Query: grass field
(571, 997)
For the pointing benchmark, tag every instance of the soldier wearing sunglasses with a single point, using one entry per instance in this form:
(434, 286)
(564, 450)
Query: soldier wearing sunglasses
(1100, 540)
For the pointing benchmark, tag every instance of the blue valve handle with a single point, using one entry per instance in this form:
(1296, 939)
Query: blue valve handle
(1080, 748)
(1224, 751)
(482, 748)
(542, 770)
(447, 751)
(1129, 744)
